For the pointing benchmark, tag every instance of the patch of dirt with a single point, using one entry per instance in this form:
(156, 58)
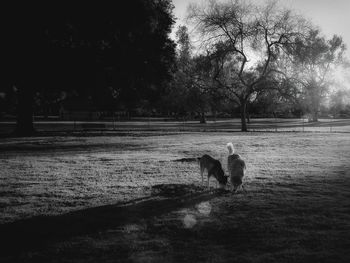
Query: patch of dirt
(173, 190)
(186, 160)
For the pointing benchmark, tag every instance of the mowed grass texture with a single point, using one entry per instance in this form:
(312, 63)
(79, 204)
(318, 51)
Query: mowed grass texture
(296, 209)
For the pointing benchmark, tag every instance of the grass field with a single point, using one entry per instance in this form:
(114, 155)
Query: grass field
(137, 197)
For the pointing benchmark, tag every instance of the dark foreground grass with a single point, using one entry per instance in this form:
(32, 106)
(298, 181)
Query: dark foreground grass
(296, 209)
(197, 226)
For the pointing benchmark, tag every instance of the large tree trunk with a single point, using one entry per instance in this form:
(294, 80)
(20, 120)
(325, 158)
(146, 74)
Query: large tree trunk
(202, 117)
(25, 125)
(247, 112)
(243, 116)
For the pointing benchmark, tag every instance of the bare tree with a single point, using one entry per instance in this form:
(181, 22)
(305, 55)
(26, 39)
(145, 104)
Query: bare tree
(249, 41)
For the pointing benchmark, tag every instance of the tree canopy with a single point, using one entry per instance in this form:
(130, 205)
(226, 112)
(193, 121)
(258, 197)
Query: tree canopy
(314, 60)
(95, 49)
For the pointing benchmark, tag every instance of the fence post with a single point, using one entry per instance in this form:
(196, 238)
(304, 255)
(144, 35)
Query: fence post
(303, 125)
(113, 121)
(275, 124)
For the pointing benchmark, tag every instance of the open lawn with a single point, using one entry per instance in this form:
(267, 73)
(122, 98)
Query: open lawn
(137, 197)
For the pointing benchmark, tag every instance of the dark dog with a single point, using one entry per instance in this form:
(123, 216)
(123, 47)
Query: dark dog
(213, 168)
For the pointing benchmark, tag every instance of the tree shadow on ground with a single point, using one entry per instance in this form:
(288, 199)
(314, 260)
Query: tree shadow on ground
(40, 231)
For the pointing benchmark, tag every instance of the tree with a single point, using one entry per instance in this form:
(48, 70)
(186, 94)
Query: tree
(315, 58)
(89, 48)
(189, 90)
(249, 40)
(200, 90)
(339, 103)
(174, 98)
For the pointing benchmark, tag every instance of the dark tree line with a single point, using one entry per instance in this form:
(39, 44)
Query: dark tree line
(105, 54)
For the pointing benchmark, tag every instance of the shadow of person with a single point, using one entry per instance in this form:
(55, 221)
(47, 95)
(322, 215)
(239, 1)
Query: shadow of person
(40, 231)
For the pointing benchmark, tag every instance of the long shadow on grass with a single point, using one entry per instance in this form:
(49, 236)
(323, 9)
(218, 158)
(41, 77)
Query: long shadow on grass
(39, 231)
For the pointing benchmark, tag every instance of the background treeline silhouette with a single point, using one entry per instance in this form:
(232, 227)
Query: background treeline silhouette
(95, 56)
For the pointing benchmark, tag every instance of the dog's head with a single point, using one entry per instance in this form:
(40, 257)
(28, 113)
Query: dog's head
(222, 178)
(222, 184)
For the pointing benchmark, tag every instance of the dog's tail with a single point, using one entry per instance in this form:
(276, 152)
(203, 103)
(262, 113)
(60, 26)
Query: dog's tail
(230, 148)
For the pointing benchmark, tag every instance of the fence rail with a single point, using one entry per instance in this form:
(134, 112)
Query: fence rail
(255, 125)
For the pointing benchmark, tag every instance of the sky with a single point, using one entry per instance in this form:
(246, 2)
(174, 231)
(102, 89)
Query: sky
(331, 16)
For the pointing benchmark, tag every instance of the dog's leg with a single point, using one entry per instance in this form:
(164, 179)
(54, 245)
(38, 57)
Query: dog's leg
(202, 175)
(202, 172)
(243, 188)
(208, 181)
